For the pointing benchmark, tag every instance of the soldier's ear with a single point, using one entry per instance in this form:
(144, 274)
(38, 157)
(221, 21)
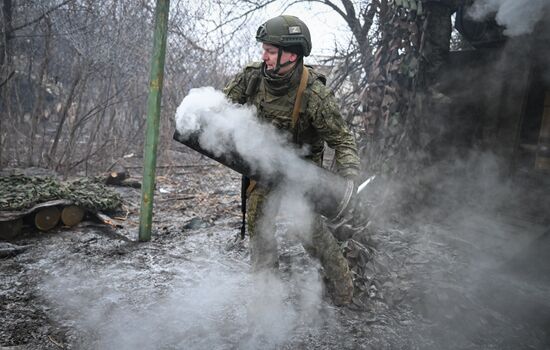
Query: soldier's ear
(293, 57)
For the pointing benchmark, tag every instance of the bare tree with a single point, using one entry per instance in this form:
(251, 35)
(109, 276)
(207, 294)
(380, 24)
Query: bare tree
(75, 75)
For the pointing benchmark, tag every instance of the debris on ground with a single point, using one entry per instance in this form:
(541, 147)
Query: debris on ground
(429, 282)
(9, 249)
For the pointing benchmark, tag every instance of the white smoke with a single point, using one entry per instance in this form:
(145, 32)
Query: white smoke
(231, 127)
(517, 16)
(200, 307)
(228, 126)
(225, 127)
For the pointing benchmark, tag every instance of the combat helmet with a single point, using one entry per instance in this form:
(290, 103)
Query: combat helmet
(287, 32)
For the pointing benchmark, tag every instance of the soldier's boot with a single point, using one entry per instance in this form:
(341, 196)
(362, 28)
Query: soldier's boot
(341, 291)
(338, 276)
(339, 282)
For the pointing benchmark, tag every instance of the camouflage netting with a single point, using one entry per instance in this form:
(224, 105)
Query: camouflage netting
(390, 93)
(18, 192)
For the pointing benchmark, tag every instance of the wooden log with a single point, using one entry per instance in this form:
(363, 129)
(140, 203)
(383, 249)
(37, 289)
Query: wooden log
(10, 229)
(108, 220)
(116, 176)
(47, 218)
(12, 215)
(72, 215)
(120, 176)
(131, 183)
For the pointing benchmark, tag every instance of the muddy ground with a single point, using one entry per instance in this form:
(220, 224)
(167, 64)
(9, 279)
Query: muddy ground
(469, 270)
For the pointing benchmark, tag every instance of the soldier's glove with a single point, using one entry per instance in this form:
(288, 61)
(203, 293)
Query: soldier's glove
(343, 228)
(359, 215)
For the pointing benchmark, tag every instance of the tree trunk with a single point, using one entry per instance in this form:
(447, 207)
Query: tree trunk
(53, 149)
(5, 45)
(38, 109)
(5, 69)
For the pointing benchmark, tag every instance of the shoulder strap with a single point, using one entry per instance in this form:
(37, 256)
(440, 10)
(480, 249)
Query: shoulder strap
(299, 94)
(295, 115)
(252, 86)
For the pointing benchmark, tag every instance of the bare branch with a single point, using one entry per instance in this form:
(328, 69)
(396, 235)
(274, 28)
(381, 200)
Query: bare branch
(39, 18)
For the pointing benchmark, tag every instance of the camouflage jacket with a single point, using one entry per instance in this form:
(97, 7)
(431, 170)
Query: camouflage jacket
(319, 121)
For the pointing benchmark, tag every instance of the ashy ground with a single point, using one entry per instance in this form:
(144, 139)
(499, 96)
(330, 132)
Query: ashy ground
(470, 270)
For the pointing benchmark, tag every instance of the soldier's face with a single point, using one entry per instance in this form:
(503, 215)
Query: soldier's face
(269, 56)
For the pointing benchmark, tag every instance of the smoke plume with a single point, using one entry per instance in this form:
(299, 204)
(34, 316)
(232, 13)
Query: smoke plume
(517, 16)
(227, 126)
(205, 301)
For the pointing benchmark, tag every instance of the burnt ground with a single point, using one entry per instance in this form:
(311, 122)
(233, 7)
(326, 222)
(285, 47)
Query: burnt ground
(467, 271)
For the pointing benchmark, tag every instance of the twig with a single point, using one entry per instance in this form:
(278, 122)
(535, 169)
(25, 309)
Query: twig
(8, 78)
(125, 217)
(55, 342)
(177, 198)
(107, 220)
(175, 166)
(39, 18)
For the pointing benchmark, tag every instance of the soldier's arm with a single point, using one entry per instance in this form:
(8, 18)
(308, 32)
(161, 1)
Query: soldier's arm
(236, 90)
(332, 128)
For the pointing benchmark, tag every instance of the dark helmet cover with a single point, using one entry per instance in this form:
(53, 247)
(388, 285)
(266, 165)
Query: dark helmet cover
(287, 32)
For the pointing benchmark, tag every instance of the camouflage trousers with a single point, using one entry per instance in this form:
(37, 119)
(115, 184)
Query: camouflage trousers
(322, 245)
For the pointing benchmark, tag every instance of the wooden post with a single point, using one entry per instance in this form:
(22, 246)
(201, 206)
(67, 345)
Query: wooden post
(153, 118)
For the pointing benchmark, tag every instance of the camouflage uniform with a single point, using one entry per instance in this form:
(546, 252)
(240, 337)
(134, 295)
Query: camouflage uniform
(320, 121)
(437, 39)
(437, 36)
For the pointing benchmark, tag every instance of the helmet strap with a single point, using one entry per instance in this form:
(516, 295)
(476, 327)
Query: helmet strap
(278, 66)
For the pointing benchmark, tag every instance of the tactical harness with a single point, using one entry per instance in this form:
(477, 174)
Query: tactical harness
(247, 185)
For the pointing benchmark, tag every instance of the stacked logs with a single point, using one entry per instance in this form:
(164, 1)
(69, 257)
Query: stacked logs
(45, 202)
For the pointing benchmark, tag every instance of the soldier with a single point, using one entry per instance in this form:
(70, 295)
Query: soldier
(293, 98)
(437, 31)
(437, 39)
(437, 36)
